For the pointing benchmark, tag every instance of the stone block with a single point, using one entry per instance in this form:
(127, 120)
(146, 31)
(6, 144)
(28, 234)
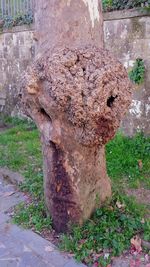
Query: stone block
(8, 39)
(15, 47)
(2, 102)
(6, 203)
(3, 218)
(73, 263)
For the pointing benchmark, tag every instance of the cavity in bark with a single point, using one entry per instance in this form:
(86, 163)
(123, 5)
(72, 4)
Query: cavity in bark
(110, 100)
(61, 191)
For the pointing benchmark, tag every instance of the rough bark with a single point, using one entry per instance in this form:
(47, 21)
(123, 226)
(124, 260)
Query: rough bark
(67, 23)
(77, 94)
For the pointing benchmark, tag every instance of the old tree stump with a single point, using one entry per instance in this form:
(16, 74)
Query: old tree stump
(77, 94)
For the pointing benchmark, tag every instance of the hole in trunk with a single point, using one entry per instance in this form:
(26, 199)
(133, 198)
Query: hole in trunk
(43, 112)
(111, 100)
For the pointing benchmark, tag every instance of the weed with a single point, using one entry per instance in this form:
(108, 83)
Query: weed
(137, 74)
(32, 216)
(110, 5)
(19, 19)
(109, 230)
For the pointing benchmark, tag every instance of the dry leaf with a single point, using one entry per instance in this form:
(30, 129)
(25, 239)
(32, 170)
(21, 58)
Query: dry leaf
(135, 263)
(136, 242)
(142, 221)
(140, 164)
(49, 249)
(147, 258)
(95, 264)
(120, 205)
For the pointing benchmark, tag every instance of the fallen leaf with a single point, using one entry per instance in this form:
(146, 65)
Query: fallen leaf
(138, 263)
(132, 263)
(49, 249)
(71, 254)
(95, 264)
(143, 221)
(136, 243)
(147, 258)
(140, 164)
(111, 208)
(120, 205)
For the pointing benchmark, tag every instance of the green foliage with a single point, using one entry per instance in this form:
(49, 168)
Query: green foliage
(20, 151)
(110, 229)
(136, 75)
(32, 216)
(124, 4)
(122, 155)
(107, 4)
(18, 20)
(17, 121)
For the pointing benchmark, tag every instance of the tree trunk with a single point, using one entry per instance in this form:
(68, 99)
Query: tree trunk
(77, 94)
(70, 23)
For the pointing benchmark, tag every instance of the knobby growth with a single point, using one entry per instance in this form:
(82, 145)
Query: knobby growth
(77, 98)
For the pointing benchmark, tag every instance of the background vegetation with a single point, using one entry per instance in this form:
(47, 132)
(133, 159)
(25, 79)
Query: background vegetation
(16, 12)
(110, 5)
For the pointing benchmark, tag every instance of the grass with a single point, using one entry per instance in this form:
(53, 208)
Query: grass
(33, 216)
(109, 230)
(111, 227)
(123, 154)
(20, 151)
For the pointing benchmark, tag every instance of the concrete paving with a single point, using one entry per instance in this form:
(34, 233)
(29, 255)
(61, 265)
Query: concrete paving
(24, 248)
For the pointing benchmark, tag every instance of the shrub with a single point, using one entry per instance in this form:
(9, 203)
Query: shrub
(110, 5)
(137, 73)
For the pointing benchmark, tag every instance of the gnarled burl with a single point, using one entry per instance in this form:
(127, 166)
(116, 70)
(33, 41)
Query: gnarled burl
(77, 94)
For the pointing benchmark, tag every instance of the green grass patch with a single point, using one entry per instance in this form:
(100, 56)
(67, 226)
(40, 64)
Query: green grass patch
(111, 228)
(33, 216)
(20, 150)
(123, 154)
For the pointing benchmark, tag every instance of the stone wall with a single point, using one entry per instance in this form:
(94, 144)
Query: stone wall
(127, 35)
(16, 52)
